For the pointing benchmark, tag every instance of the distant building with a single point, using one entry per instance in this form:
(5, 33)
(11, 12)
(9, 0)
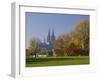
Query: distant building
(48, 43)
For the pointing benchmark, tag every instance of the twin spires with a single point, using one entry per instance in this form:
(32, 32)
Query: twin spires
(49, 43)
(50, 37)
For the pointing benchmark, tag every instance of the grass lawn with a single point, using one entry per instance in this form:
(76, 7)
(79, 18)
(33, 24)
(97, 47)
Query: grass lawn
(56, 61)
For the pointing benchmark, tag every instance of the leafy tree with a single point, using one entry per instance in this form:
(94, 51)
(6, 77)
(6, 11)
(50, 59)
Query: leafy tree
(78, 38)
(82, 34)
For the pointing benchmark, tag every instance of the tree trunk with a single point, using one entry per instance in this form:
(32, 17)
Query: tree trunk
(53, 52)
(82, 45)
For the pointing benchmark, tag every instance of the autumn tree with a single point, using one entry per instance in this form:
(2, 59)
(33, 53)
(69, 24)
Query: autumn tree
(78, 38)
(82, 34)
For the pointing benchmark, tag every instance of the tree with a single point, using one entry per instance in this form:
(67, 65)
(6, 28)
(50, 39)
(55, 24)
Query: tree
(77, 39)
(34, 46)
(82, 34)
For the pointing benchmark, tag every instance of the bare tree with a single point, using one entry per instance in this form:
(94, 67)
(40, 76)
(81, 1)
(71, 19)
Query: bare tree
(34, 46)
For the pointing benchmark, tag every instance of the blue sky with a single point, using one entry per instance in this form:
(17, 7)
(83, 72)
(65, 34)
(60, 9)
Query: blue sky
(38, 24)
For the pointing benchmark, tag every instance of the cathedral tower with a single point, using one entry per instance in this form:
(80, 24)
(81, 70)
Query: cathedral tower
(48, 37)
(52, 36)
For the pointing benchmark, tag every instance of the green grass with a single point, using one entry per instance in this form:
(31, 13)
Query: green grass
(56, 61)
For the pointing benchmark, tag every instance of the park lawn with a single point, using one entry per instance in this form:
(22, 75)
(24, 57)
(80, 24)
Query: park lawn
(56, 61)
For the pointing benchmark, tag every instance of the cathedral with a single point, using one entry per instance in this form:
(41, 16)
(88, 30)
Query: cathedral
(48, 43)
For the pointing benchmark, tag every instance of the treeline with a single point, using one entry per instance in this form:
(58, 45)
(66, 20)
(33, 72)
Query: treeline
(74, 43)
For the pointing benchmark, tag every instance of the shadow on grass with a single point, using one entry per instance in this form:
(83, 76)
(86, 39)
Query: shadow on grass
(36, 60)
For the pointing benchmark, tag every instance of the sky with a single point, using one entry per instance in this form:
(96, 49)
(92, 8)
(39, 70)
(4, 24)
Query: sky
(38, 24)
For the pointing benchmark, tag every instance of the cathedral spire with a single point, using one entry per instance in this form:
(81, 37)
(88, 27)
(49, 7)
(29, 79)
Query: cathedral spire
(53, 35)
(48, 36)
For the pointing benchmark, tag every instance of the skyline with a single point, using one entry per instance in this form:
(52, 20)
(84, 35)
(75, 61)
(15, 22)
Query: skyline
(38, 24)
